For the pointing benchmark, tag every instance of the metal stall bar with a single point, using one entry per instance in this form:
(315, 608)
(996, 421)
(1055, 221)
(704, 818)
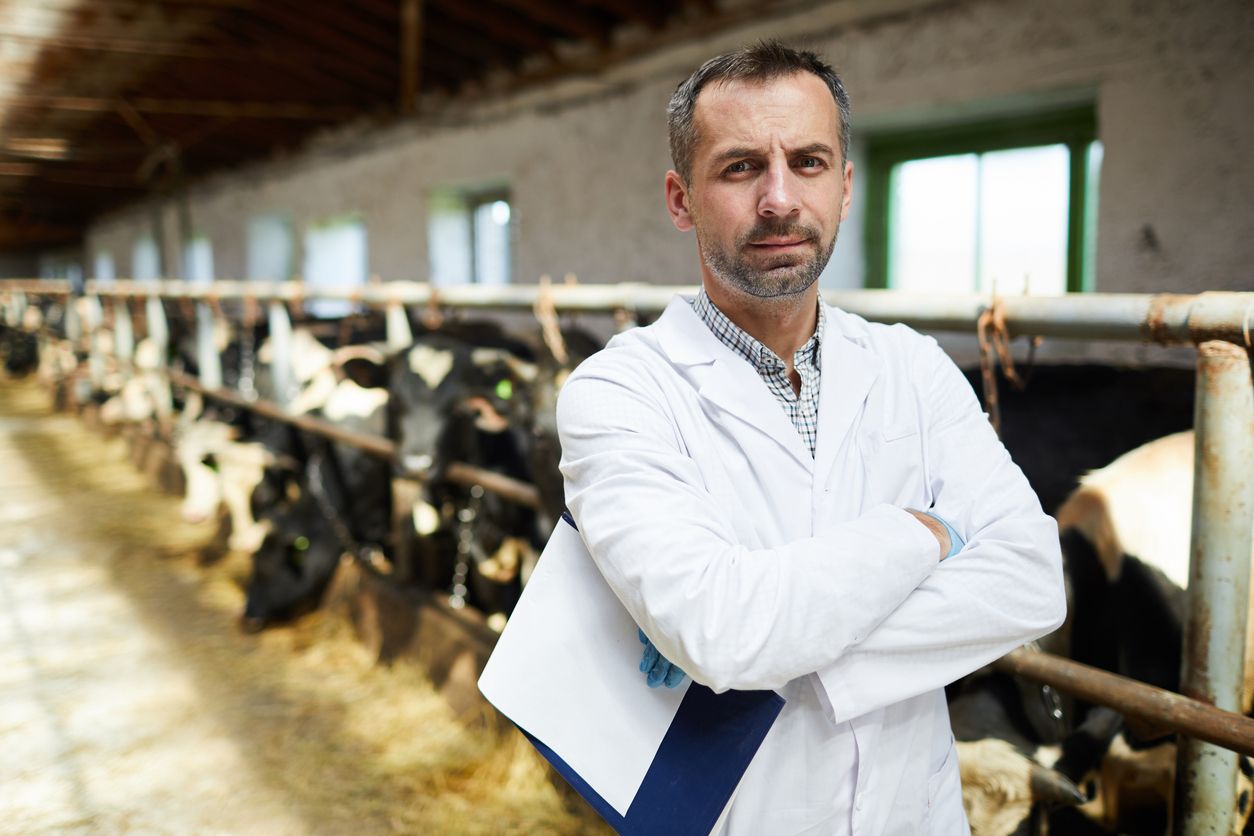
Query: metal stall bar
(1219, 579)
(383, 448)
(1156, 706)
(1165, 318)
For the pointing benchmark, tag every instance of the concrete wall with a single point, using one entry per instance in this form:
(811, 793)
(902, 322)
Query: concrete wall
(1171, 82)
(19, 265)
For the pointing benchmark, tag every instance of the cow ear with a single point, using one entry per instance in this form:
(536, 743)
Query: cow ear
(365, 373)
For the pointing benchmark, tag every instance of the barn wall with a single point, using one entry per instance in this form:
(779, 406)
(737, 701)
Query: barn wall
(19, 265)
(584, 158)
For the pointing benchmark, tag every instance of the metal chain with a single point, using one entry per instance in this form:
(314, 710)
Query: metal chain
(349, 544)
(466, 547)
(1051, 700)
(248, 362)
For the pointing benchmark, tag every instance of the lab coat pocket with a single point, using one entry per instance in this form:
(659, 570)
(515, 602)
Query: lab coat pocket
(893, 457)
(945, 815)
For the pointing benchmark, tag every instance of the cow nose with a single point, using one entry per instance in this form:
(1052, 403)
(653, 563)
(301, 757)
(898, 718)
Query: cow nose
(417, 463)
(251, 623)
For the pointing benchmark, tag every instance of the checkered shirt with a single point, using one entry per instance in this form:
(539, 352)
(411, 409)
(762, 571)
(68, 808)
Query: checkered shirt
(802, 409)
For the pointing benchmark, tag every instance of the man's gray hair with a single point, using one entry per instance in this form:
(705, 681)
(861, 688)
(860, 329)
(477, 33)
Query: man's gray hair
(763, 61)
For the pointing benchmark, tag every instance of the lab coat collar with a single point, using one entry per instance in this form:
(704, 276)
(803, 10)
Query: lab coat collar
(850, 368)
(724, 378)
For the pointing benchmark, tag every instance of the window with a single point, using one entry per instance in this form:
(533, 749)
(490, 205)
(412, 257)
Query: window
(469, 235)
(335, 257)
(1010, 204)
(198, 260)
(270, 256)
(145, 260)
(62, 267)
(102, 266)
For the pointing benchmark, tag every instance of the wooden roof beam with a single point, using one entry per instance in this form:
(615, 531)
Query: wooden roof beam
(72, 178)
(500, 23)
(379, 37)
(564, 17)
(324, 54)
(187, 107)
(457, 37)
(651, 13)
(147, 48)
(411, 54)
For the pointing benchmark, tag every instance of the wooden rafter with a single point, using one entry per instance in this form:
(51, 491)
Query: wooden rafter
(564, 17)
(500, 24)
(649, 12)
(143, 46)
(411, 53)
(187, 107)
(218, 83)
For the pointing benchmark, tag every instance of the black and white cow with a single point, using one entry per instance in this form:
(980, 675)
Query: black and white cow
(451, 394)
(1071, 419)
(1125, 535)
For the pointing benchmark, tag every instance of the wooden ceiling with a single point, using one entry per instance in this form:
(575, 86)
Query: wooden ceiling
(103, 101)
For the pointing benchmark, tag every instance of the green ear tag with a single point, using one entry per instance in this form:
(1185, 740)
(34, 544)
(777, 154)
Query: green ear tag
(301, 543)
(505, 389)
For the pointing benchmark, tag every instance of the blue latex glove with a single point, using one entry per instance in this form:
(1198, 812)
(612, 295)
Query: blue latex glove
(956, 542)
(659, 670)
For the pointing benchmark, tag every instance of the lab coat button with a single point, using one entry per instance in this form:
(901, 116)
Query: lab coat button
(857, 801)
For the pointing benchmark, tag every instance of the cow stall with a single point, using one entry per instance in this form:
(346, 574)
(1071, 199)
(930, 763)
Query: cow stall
(1205, 712)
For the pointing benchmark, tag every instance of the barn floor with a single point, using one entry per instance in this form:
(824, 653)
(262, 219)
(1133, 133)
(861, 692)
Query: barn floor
(131, 703)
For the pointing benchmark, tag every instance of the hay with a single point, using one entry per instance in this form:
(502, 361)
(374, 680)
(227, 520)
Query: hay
(348, 746)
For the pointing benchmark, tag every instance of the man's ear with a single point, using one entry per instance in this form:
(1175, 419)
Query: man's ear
(847, 192)
(677, 201)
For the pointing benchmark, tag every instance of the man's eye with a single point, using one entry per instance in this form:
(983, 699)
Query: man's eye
(738, 167)
(809, 162)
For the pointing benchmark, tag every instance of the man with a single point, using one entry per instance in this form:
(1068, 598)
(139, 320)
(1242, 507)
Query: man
(808, 549)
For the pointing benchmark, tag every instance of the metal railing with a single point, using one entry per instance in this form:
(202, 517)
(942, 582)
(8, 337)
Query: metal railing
(1218, 324)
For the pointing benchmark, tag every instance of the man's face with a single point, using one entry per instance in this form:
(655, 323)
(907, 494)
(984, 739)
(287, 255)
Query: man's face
(768, 190)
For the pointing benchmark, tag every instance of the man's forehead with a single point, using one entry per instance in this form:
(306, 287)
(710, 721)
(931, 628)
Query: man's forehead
(738, 111)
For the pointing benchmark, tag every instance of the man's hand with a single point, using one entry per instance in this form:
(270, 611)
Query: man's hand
(659, 670)
(949, 540)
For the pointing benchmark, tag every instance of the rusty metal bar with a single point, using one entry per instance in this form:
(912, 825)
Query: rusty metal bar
(1165, 318)
(1135, 699)
(1219, 580)
(500, 484)
(383, 448)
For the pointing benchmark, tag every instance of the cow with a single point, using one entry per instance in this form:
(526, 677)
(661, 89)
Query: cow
(1070, 419)
(318, 500)
(450, 396)
(19, 343)
(1125, 533)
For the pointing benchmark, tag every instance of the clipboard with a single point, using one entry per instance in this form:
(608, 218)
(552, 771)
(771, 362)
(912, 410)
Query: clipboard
(565, 672)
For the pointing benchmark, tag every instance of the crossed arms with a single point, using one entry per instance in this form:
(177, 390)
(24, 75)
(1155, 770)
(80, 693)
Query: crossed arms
(864, 603)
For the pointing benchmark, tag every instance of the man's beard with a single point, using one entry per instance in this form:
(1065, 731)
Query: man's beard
(781, 275)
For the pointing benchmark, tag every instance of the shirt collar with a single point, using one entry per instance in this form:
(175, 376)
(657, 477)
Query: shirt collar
(758, 355)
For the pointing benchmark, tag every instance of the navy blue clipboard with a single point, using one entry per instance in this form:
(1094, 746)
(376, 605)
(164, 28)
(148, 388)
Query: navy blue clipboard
(705, 751)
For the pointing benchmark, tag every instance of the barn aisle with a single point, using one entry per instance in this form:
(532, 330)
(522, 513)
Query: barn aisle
(130, 703)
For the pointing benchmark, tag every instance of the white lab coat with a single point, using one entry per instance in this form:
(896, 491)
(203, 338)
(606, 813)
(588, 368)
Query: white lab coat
(753, 565)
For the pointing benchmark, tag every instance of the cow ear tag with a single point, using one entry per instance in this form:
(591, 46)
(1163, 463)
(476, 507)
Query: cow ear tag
(505, 389)
(301, 543)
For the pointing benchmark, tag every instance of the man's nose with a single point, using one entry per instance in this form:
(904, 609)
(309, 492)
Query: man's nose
(780, 192)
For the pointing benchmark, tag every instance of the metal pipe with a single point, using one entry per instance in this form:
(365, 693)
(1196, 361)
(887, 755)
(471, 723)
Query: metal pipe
(280, 352)
(123, 331)
(207, 357)
(1219, 579)
(158, 327)
(1166, 318)
(457, 472)
(1137, 700)
(498, 483)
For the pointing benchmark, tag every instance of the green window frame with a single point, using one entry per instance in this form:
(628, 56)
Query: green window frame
(1076, 128)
